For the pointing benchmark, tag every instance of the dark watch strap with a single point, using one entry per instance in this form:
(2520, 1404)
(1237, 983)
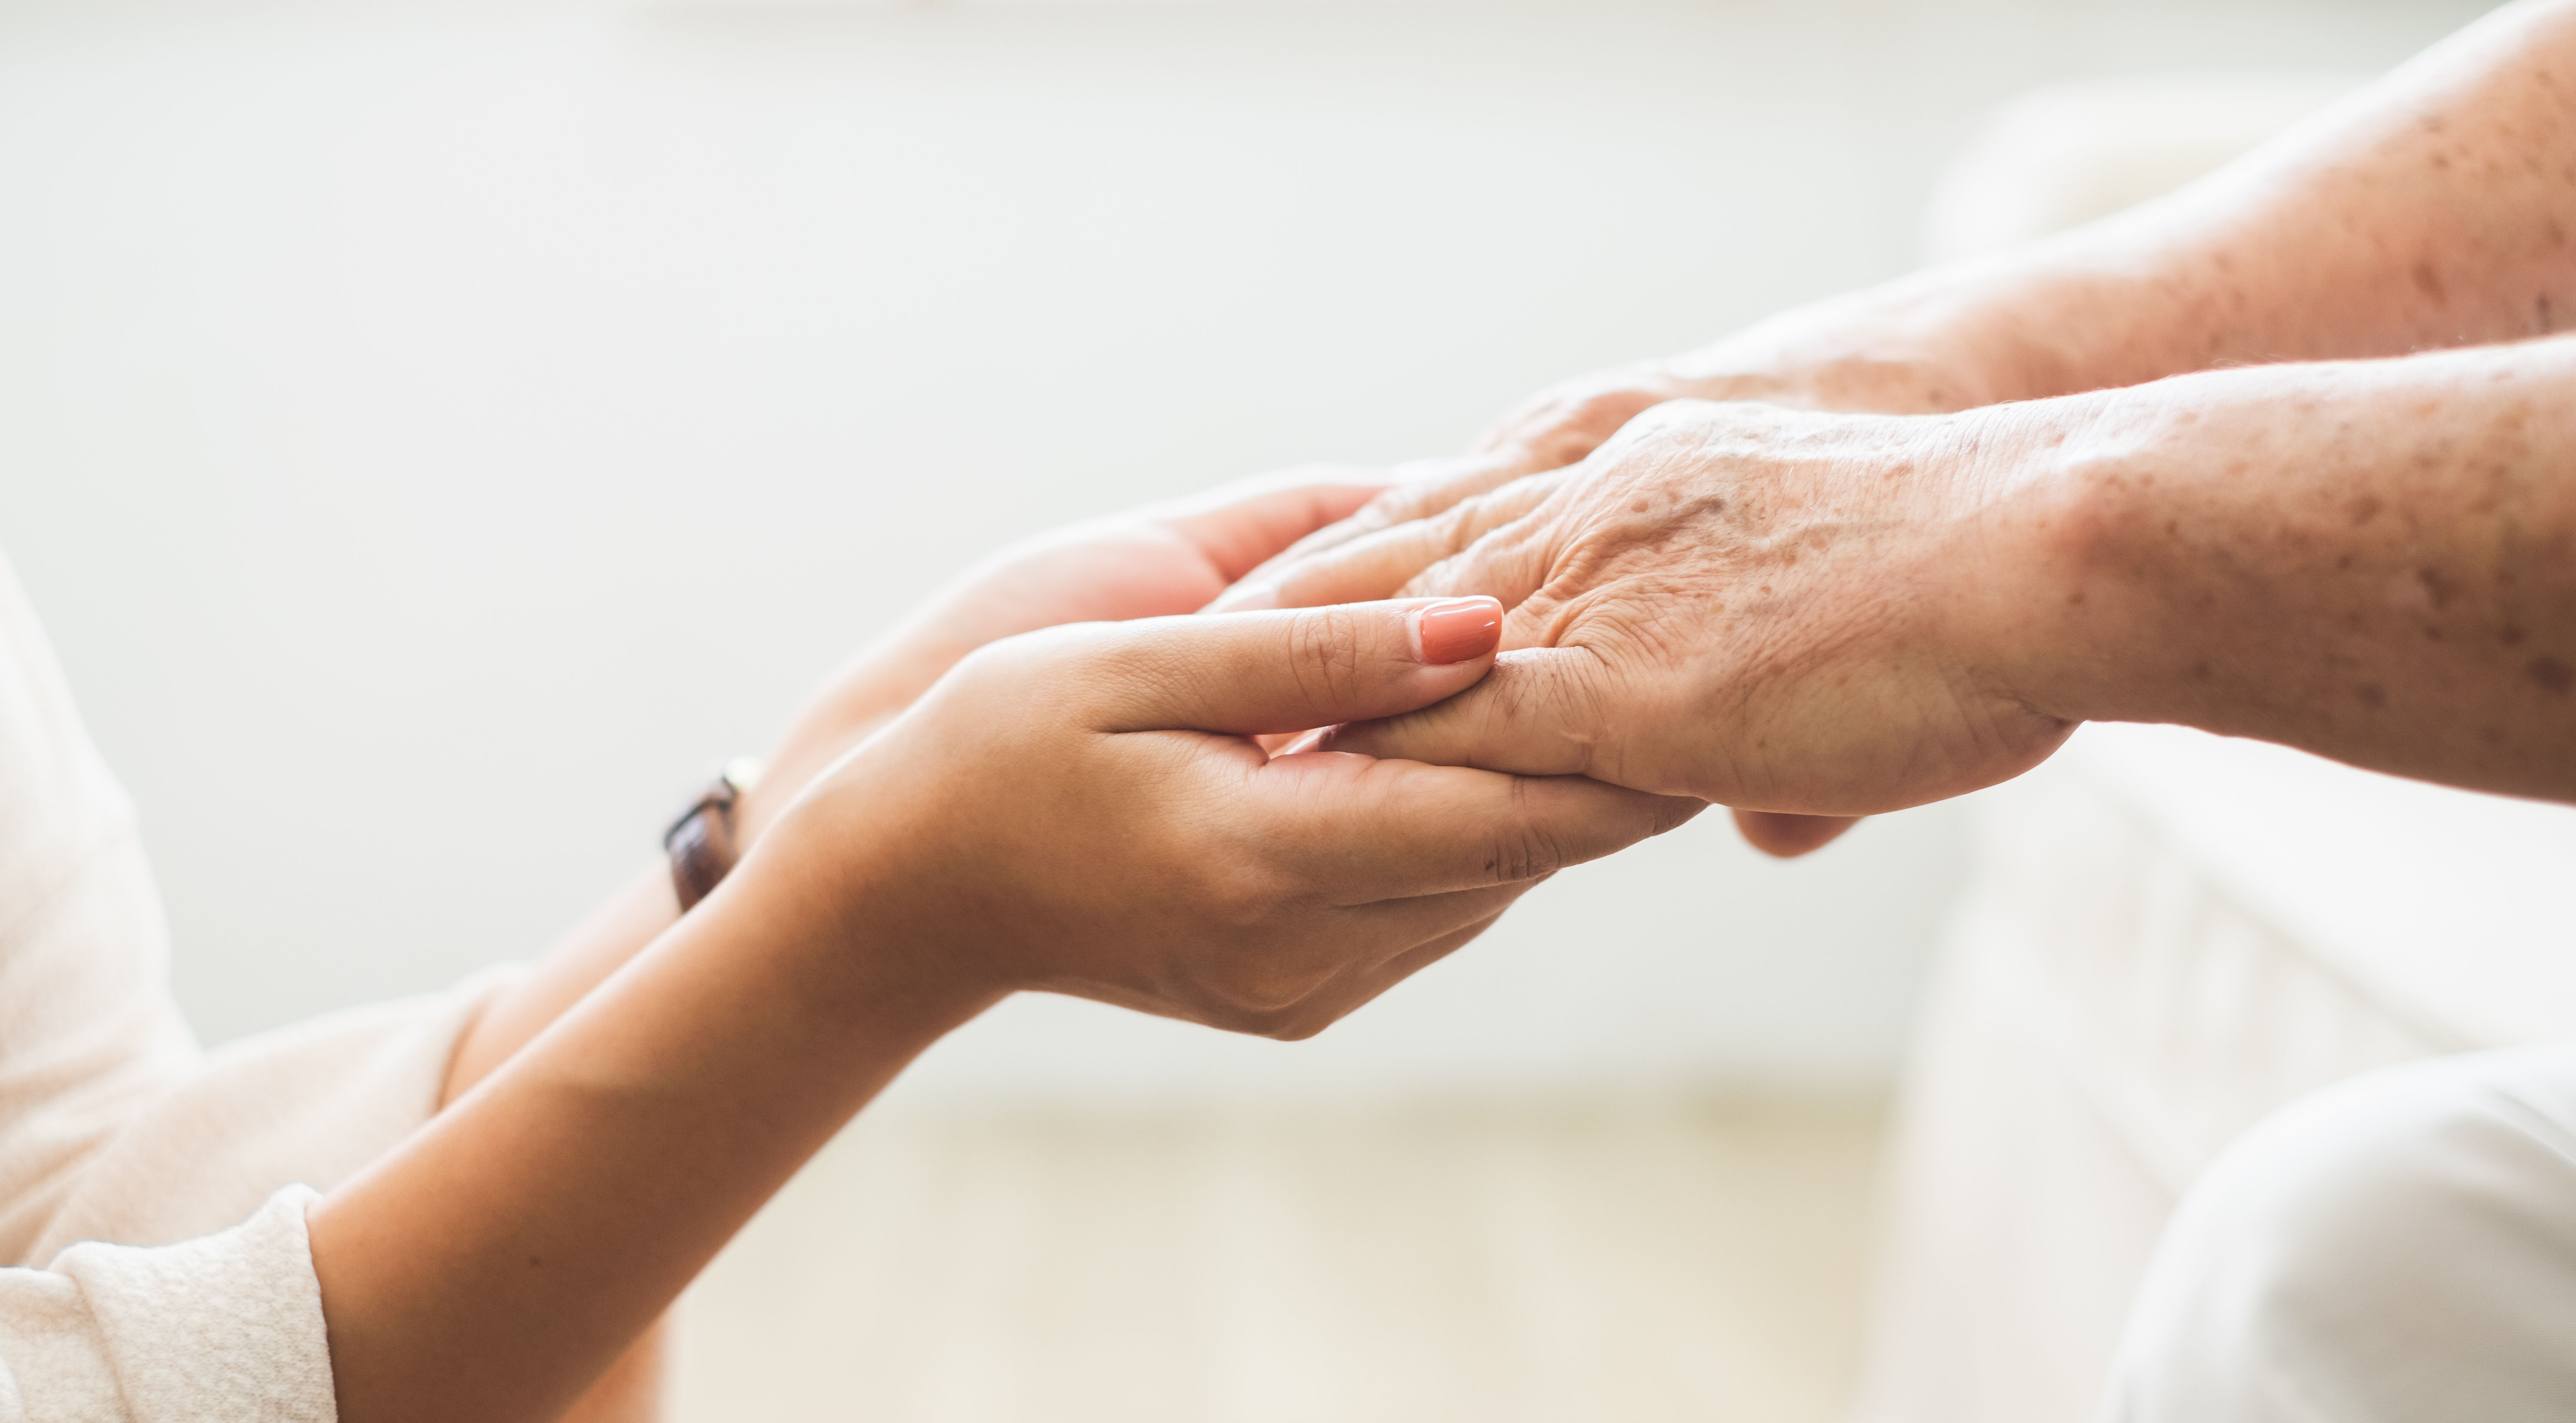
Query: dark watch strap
(703, 843)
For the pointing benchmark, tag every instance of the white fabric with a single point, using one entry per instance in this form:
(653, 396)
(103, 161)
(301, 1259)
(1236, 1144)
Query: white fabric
(2169, 937)
(225, 1327)
(2400, 1248)
(114, 1126)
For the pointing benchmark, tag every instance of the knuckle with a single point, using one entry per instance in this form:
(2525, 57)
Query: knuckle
(1478, 518)
(1570, 699)
(1579, 418)
(1601, 412)
(1665, 423)
(1525, 851)
(1323, 648)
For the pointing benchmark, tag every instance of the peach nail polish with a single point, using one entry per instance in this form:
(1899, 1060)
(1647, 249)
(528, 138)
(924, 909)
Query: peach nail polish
(1456, 629)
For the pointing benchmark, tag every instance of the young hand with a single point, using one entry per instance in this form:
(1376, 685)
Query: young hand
(1155, 561)
(1080, 810)
(1085, 811)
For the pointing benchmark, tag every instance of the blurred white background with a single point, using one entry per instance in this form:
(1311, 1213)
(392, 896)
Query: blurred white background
(437, 434)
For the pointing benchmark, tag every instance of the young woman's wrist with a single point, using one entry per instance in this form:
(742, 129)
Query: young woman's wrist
(862, 699)
(834, 876)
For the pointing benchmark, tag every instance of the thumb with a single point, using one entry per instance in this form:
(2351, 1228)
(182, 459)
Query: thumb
(1251, 673)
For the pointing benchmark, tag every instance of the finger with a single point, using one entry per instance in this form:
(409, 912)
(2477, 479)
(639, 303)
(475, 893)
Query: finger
(1390, 831)
(1240, 525)
(1789, 836)
(1539, 712)
(1277, 671)
(1417, 489)
(1567, 423)
(1375, 565)
(1557, 428)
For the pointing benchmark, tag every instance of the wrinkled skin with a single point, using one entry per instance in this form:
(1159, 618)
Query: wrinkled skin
(1836, 356)
(1861, 355)
(1727, 601)
(2429, 211)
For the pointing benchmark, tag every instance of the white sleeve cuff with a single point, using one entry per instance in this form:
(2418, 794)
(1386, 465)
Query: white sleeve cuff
(225, 1326)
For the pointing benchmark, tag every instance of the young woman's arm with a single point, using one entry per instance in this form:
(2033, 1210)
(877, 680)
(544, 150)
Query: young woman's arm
(1164, 559)
(1157, 561)
(1081, 811)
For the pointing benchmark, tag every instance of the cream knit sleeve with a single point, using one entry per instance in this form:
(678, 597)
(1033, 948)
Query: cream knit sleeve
(114, 1126)
(225, 1328)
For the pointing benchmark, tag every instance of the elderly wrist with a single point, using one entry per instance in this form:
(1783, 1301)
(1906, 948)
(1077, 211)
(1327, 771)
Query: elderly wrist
(2014, 578)
(2078, 628)
(1893, 351)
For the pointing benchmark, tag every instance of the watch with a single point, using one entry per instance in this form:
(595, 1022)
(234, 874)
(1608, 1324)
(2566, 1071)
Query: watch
(703, 843)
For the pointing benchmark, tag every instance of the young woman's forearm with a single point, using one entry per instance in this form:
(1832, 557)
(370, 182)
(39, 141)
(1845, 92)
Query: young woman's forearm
(2375, 561)
(542, 1120)
(646, 905)
(497, 1262)
(583, 959)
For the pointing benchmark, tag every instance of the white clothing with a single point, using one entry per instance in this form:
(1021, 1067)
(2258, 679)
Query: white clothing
(115, 1126)
(2398, 1248)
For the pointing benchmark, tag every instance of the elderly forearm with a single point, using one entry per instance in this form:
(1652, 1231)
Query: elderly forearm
(2374, 560)
(2433, 209)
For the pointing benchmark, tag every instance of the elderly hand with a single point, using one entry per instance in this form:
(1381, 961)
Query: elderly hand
(1901, 349)
(1755, 606)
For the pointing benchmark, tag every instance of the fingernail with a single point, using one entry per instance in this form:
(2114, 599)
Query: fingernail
(1456, 629)
(1311, 741)
(1254, 598)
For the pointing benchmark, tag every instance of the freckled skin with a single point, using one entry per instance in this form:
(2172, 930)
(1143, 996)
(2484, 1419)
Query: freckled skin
(2430, 212)
(2371, 560)
(2390, 585)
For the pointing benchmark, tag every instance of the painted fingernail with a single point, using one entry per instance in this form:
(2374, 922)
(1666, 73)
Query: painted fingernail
(1455, 629)
(1252, 598)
